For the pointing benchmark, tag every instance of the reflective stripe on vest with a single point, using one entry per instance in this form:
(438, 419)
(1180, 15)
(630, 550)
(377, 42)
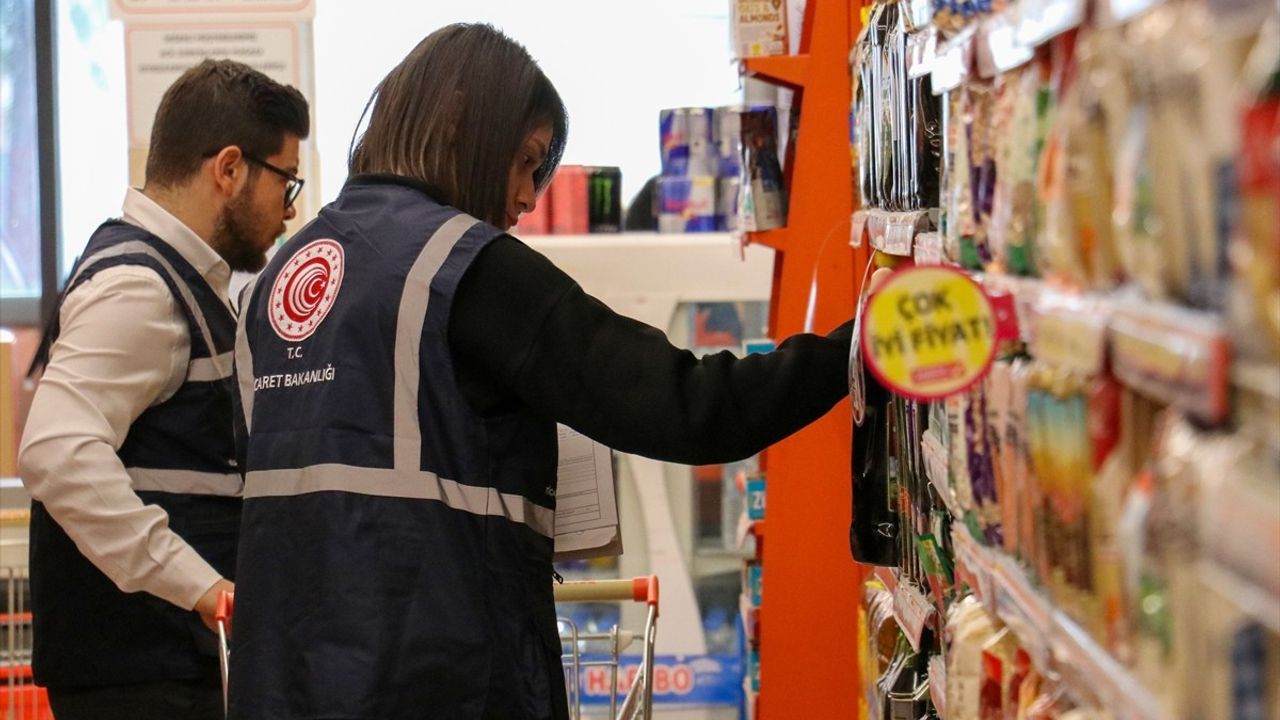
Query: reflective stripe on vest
(210, 369)
(244, 357)
(185, 482)
(219, 365)
(409, 324)
(413, 485)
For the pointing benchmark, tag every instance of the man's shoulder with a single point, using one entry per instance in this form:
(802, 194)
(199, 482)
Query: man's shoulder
(134, 285)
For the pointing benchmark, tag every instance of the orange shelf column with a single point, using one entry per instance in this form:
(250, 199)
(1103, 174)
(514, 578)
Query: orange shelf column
(808, 633)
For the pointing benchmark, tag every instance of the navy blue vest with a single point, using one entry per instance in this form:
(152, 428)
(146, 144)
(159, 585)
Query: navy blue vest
(395, 557)
(180, 456)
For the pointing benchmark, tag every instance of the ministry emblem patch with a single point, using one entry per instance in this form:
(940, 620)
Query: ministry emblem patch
(305, 289)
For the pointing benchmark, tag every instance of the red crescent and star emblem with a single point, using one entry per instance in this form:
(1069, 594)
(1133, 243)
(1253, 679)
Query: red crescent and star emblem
(305, 289)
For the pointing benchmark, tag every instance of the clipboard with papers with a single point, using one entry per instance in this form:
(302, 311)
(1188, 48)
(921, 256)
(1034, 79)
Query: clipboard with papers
(586, 499)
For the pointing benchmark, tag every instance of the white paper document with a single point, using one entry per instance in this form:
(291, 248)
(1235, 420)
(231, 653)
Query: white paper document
(586, 501)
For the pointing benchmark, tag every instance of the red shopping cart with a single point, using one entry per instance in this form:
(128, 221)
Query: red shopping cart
(20, 698)
(579, 650)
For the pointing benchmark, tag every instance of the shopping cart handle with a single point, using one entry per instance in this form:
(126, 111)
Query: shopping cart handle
(226, 603)
(640, 589)
(645, 589)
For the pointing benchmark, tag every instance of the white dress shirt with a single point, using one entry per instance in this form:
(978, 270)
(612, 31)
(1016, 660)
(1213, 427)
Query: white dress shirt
(123, 347)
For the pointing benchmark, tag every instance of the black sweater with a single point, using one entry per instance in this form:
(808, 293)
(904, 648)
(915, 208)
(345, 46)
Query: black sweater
(524, 334)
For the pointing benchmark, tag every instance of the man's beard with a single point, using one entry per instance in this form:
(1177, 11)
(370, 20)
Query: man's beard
(235, 236)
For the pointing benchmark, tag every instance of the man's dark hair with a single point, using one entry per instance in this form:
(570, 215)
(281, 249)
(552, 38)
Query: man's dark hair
(219, 103)
(454, 113)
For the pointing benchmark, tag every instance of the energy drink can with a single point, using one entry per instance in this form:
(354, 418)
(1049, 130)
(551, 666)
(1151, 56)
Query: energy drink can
(569, 200)
(727, 195)
(688, 142)
(704, 158)
(604, 200)
(673, 132)
(686, 204)
(728, 137)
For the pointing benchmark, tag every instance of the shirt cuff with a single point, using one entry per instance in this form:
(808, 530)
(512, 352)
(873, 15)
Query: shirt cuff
(187, 577)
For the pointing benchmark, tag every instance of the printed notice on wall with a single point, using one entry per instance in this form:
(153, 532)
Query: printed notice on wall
(586, 500)
(147, 9)
(158, 54)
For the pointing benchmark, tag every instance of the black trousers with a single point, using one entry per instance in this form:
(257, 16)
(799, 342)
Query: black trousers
(164, 700)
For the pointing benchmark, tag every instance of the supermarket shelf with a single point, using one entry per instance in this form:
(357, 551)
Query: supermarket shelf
(775, 239)
(635, 272)
(792, 70)
(1176, 355)
(1055, 642)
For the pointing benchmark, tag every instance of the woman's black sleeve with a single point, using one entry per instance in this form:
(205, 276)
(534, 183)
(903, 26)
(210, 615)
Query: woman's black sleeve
(524, 334)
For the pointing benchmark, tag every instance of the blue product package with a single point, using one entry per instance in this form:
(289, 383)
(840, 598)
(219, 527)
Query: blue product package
(755, 497)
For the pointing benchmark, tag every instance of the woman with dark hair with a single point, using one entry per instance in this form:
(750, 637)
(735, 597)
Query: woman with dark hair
(403, 363)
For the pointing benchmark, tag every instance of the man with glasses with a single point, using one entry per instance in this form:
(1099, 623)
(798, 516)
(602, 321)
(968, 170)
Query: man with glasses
(128, 453)
(293, 183)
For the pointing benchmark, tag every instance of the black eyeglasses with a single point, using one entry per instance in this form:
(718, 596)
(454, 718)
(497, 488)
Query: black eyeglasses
(294, 186)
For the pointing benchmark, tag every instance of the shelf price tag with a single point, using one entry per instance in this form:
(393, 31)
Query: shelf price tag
(857, 228)
(912, 610)
(930, 332)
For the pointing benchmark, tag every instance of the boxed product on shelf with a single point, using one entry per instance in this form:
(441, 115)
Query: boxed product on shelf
(749, 614)
(755, 493)
(752, 582)
(753, 670)
(759, 27)
(763, 203)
